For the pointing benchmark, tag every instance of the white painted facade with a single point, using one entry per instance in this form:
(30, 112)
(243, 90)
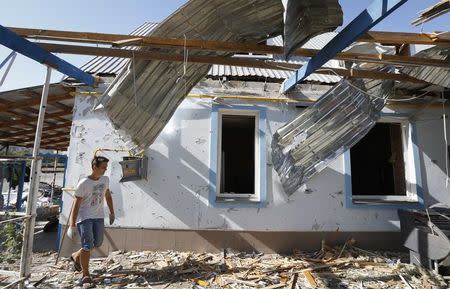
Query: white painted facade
(177, 191)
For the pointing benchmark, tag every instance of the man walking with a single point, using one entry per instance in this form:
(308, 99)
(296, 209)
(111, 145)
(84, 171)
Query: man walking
(87, 218)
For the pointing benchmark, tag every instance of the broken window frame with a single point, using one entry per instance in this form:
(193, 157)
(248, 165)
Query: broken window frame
(258, 199)
(414, 191)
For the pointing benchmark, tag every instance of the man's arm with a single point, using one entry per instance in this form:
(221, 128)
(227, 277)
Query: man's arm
(76, 208)
(109, 201)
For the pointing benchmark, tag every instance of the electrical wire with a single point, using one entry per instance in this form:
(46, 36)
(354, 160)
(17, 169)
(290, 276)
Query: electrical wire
(134, 78)
(444, 120)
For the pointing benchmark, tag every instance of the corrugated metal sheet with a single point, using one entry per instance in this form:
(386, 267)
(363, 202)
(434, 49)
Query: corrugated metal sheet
(144, 99)
(317, 42)
(113, 65)
(322, 132)
(436, 75)
(308, 18)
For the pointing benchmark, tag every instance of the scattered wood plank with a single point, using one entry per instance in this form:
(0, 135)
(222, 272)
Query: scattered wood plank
(405, 282)
(310, 278)
(294, 281)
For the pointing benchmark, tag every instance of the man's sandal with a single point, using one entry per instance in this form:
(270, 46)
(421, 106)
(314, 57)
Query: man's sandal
(86, 280)
(76, 265)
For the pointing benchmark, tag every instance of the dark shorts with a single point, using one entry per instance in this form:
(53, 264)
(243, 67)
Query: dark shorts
(91, 233)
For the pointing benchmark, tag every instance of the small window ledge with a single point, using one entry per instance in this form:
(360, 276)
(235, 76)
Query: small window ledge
(400, 203)
(238, 203)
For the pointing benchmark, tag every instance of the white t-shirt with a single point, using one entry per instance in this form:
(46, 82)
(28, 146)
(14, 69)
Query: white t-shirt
(92, 192)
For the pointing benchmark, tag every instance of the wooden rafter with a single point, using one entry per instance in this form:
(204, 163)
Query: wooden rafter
(234, 47)
(50, 142)
(28, 109)
(60, 147)
(432, 12)
(47, 138)
(211, 60)
(50, 136)
(11, 105)
(53, 140)
(54, 103)
(31, 132)
(149, 55)
(218, 60)
(26, 120)
(105, 38)
(21, 115)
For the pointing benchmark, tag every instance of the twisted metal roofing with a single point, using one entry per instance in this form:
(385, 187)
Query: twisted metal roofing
(308, 18)
(106, 65)
(113, 65)
(317, 42)
(142, 100)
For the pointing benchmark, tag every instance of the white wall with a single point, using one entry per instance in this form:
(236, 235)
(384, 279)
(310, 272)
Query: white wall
(176, 193)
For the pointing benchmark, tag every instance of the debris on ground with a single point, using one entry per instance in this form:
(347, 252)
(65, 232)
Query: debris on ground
(344, 266)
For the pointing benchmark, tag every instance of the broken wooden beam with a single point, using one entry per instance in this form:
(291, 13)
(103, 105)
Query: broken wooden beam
(105, 38)
(349, 56)
(234, 61)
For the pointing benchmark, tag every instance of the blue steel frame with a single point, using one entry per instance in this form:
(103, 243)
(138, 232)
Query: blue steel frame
(33, 51)
(262, 203)
(377, 11)
(64, 157)
(20, 188)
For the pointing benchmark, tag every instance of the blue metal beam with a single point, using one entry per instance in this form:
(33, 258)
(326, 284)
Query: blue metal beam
(33, 51)
(377, 11)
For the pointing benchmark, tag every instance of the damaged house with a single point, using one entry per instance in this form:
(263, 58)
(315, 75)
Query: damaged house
(207, 153)
(229, 162)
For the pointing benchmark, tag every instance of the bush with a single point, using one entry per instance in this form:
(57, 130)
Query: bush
(11, 242)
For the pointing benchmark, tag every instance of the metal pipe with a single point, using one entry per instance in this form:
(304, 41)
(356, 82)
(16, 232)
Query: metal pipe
(10, 184)
(20, 188)
(11, 285)
(54, 178)
(111, 150)
(12, 214)
(7, 58)
(8, 68)
(28, 232)
(14, 219)
(1, 187)
(64, 233)
(13, 158)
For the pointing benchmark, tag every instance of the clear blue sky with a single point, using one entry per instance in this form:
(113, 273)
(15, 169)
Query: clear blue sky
(114, 16)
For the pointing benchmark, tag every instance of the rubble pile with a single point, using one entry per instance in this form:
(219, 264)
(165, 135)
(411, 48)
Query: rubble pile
(331, 267)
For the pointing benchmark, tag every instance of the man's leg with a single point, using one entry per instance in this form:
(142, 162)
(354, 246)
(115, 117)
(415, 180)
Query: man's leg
(76, 256)
(87, 243)
(84, 260)
(98, 231)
